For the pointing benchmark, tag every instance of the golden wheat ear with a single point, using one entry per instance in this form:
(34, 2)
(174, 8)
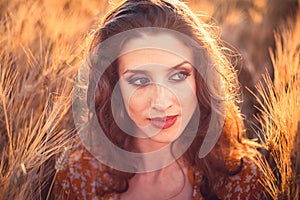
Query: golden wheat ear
(280, 117)
(62, 160)
(60, 165)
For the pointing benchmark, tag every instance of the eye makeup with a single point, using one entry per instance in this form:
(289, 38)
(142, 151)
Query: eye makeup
(139, 81)
(144, 77)
(179, 76)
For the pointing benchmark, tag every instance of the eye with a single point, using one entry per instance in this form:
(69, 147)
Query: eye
(180, 76)
(139, 81)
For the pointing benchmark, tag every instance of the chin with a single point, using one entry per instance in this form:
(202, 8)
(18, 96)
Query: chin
(166, 136)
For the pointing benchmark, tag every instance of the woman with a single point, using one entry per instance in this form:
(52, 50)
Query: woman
(164, 95)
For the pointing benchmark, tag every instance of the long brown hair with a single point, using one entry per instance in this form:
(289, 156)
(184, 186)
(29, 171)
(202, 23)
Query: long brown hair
(174, 15)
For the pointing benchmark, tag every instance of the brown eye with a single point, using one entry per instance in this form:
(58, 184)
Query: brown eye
(179, 76)
(139, 81)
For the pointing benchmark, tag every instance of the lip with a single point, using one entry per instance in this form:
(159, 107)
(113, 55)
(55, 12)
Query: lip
(163, 122)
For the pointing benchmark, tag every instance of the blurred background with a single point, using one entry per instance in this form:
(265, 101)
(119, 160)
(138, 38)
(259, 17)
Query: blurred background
(42, 43)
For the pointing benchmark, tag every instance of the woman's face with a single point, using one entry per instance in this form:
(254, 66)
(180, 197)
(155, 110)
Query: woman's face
(157, 82)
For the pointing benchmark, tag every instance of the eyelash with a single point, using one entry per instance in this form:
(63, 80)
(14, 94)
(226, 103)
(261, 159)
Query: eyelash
(184, 73)
(133, 81)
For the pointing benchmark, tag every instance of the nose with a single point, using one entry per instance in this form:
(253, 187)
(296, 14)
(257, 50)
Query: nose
(161, 98)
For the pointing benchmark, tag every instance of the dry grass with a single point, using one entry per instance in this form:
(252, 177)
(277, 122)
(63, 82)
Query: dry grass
(40, 51)
(41, 46)
(280, 117)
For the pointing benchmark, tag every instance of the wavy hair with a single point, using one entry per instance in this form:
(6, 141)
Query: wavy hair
(174, 15)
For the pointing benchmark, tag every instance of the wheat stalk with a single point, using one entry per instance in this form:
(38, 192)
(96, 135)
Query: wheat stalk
(59, 165)
(40, 51)
(280, 116)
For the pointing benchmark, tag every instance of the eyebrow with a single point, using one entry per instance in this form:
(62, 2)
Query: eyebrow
(139, 71)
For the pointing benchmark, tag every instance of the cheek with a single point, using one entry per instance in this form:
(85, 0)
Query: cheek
(187, 94)
(136, 103)
(188, 102)
(192, 85)
(188, 99)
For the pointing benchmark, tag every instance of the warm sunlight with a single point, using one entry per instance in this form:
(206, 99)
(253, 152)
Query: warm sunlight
(44, 43)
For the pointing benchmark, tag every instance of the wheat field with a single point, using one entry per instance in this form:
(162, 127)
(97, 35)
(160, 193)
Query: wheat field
(42, 44)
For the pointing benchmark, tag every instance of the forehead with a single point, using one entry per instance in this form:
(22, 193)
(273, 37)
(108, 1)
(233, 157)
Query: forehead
(161, 49)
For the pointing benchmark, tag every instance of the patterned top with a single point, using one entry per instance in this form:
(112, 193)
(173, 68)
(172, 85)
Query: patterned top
(85, 177)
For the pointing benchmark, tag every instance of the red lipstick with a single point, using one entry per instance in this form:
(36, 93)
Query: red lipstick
(163, 123)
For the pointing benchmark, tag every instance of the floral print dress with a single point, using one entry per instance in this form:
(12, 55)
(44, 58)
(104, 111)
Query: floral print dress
(86, 178)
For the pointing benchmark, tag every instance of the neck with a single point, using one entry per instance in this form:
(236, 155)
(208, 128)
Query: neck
(158, 175)
(154, 155)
